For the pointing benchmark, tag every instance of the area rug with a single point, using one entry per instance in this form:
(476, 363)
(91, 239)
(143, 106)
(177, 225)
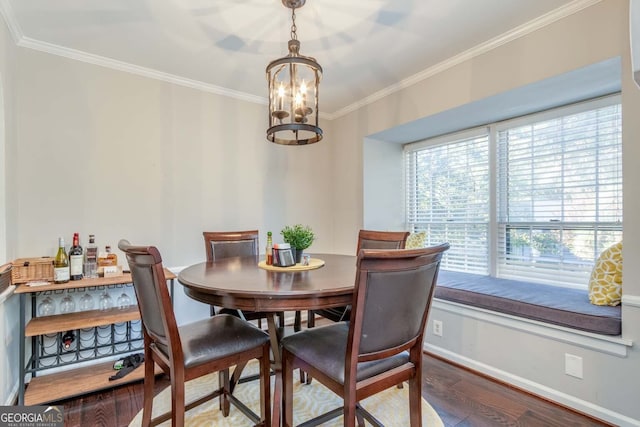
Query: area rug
(391, 406)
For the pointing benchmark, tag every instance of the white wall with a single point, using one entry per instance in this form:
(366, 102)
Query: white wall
(528, 355)
(118, 155)
(383, 187)
(8, 302)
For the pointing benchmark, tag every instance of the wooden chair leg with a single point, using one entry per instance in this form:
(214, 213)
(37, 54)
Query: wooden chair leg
(297, 321)
(226, 390)
(349, 414)
(265, 388)
(287, 392)
(311, 319)
(177, 398)
(415, 402)
(149, 380)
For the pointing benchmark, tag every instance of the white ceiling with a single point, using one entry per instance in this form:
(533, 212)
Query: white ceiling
(367, 47)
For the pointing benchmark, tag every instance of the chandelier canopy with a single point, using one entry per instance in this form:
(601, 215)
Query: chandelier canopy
(293, 92)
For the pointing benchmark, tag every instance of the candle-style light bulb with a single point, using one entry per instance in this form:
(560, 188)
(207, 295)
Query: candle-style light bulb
(280, 96)
(298, 100)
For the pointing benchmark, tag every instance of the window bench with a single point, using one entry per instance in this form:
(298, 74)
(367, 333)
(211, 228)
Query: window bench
(552, 304)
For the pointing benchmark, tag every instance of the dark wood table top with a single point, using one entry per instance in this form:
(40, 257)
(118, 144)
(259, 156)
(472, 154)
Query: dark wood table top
(240, 283)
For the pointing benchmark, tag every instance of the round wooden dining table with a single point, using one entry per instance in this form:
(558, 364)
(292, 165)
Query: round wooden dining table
(242, 284)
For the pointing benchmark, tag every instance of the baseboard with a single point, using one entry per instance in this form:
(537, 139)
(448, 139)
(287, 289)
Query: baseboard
(12, 399)
(534, 388)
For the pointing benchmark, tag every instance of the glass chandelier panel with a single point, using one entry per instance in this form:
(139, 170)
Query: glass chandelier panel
(293, 93)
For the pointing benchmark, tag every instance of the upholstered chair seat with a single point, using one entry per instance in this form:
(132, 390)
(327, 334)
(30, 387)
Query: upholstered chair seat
(325, 348)
(218, 337)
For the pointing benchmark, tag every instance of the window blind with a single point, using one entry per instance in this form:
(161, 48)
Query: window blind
(559, 198)
(447, 195)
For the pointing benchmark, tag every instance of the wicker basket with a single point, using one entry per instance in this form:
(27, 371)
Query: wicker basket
(31, 269)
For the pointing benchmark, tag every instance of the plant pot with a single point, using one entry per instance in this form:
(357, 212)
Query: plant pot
(298, 255)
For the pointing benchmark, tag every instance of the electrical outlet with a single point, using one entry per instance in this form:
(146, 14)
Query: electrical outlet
(437, 328)
(573, 365)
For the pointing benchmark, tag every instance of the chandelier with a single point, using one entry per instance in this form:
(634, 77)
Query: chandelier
(293, 92)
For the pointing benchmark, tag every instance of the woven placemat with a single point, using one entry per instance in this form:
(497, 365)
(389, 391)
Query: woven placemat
(313, 264)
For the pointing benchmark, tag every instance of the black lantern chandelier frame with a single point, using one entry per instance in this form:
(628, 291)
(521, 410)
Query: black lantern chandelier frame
(293, 79)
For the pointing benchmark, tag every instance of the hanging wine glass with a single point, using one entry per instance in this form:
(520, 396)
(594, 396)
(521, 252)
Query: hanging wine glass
(67, 305)
(105, 302)
(86, 302)
(123, 301)
(46, 307)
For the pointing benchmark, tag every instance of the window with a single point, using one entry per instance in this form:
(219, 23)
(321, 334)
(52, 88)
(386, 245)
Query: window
(448, 196)
(557, 201)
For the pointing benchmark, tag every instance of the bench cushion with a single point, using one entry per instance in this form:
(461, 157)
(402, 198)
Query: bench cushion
(552, 304)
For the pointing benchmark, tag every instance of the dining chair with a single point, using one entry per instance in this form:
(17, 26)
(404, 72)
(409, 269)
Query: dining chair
(190, 351)
(367, 239)
(228, 244)
(380, 346)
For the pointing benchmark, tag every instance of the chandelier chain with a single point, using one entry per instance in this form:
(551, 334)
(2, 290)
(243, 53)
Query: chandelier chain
(294, 28)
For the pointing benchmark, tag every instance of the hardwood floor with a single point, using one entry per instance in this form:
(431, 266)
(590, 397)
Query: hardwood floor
(461, 398)
(464, 398)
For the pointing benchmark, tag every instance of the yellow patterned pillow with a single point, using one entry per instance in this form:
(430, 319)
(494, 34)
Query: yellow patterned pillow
(416, 240)
(605, 284)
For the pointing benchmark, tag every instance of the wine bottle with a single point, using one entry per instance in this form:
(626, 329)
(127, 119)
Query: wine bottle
(107, 258)
(91, 258)
(61, 264)
(75, 258)
(67, 339)
(269, 249)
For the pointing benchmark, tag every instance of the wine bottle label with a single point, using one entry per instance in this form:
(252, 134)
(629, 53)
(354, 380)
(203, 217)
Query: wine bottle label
(75, 265)
(61, 274)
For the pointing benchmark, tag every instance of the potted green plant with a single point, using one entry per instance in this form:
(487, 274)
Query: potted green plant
(299, 236)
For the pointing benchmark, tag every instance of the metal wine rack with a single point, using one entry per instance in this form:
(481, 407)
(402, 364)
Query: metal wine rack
(91, 343)
(98, 334)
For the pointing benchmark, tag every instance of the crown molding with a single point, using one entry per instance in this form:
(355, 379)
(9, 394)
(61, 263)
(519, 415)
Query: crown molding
(529, 27)
(135, 69)
(9, 18)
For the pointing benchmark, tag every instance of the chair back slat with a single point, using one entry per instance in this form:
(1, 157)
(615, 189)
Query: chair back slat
(394, 307)
(393, 294)
(372, 239)
(154, 303)
(220, 245)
